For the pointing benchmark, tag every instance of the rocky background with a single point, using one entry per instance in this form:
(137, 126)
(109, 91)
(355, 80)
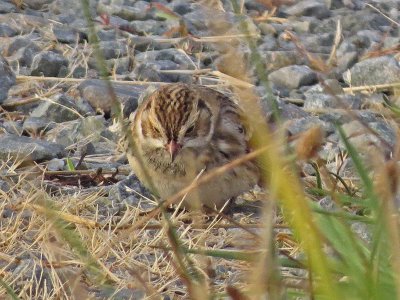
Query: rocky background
(328, 62)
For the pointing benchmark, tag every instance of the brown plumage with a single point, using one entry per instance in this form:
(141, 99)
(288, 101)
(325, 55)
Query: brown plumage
(181, 130)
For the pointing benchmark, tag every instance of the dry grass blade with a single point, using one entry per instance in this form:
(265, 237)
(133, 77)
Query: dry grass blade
(387, 17)
(338, 36)
(372, 88)
(355, 116)
(23, 78)
(314, 61)
(24, 101)
(59, 214)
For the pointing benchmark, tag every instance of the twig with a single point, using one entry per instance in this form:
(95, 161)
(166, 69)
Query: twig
(63, 215)
(293, 100)
(385, 86)
(68, 173)
(191, 72)
(24, 101)
(209, 39)
(232, 80)
(22, 78)
(387, 17)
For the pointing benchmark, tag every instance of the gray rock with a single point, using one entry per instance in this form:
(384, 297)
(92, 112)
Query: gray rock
(79, 72)
(377, 70)
(19, 42)
(144, 43)
(97, 93)
(74, 7)
(327, 204)
(373, 101)
(371, 35)
(346, 46)
(355, 21)
(342, 117)
(113, 49)
(153, 27)
(6, 7)
(359, 43)
(126, 12)
(181, 7)
(61, 109)
(314, 42)
(37, 4)
(314, 8)
(267, 29)
(84, 107)
(91, 125)
(303, 26)
(35, 125)
(4, 186)
(330, 95)
(184, 61)
(68, 35)
(365, 141)
(385, 131)
(24, 56)
(290, 111)
(120, 65)
(117, 22)
(23, 148)
(107, 34)
(362, 230)
(13, 127)
(7, 31)
(297, 126)
(152, 71)
(48, 63)
(321, 100)
(129, 191)
(56, 164)
(20, 18)
(121, 294)
(269, 43)
(29, 271)
(346, 61)
(275, 60)
(80, 133)
(391, 41)
(293, 77)
(200, 20)
(195, 20)
(7, 78)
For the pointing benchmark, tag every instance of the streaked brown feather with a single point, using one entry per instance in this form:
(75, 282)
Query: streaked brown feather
(210, 127)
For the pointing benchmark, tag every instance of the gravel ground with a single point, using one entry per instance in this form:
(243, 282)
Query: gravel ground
(315, 53)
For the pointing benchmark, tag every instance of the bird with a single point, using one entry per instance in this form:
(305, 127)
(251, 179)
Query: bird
(181, 131)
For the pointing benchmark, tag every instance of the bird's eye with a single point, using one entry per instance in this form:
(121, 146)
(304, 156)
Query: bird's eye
(190, 130)
(156, 132)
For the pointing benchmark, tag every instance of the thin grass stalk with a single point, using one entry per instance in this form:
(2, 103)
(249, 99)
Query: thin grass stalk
(256, 61)
(195, 282)
(284, 185)
(384, 261)
(75, 242)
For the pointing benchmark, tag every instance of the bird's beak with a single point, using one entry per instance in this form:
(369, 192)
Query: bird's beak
(173, 149)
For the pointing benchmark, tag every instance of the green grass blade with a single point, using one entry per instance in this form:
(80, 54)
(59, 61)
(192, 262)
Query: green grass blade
(362, 171)
(9, 290)
(70, 165)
